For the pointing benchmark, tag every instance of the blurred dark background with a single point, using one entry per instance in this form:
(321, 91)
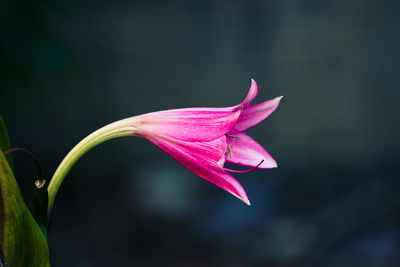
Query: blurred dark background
(68, 68)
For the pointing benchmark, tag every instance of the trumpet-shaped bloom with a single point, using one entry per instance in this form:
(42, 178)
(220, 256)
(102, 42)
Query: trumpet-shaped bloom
(203, 139)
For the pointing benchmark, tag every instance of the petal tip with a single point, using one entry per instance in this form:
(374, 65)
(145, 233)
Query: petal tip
(269, 165)
(254, 83)
(242, 196)
(244, 199)
(247, 202)
(252, 93)
(273, 163)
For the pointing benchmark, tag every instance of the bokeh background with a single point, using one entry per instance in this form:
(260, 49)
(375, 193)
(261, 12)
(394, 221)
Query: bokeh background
(68, 68)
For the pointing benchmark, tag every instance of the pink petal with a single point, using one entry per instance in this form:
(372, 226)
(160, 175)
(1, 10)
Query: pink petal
(203, 158)
(190, 124)
(253, 115)
(253, 91)
(247, 152)
(227, 182)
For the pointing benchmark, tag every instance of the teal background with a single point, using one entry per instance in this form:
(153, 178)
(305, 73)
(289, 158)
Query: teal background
(68, 68)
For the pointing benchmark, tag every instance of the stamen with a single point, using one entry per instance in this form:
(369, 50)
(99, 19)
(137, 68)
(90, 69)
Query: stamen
(230, 147)
(233, 136)
(230, 151)
(244, 171)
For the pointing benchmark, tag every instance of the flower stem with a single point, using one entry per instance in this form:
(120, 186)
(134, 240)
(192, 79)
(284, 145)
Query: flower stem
(113, 130)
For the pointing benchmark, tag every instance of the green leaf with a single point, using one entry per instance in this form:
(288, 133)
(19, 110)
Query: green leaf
(5, 142)
(22, 241)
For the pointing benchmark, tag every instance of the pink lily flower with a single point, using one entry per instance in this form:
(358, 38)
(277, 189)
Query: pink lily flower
(203, 139)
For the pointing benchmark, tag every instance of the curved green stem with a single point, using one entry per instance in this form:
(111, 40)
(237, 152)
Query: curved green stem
(113, 130)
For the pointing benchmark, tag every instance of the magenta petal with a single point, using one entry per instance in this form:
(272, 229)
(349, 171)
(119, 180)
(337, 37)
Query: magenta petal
(252, 115)
(203, 158)
(247, 152)
(226, 181)
(190, 124)
(253, 91)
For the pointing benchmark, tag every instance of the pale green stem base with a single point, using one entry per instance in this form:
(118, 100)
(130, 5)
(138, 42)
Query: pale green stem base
(113, 130)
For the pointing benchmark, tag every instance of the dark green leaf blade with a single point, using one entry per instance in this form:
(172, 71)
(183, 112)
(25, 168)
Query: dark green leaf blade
(22, 240)
(5, 142)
